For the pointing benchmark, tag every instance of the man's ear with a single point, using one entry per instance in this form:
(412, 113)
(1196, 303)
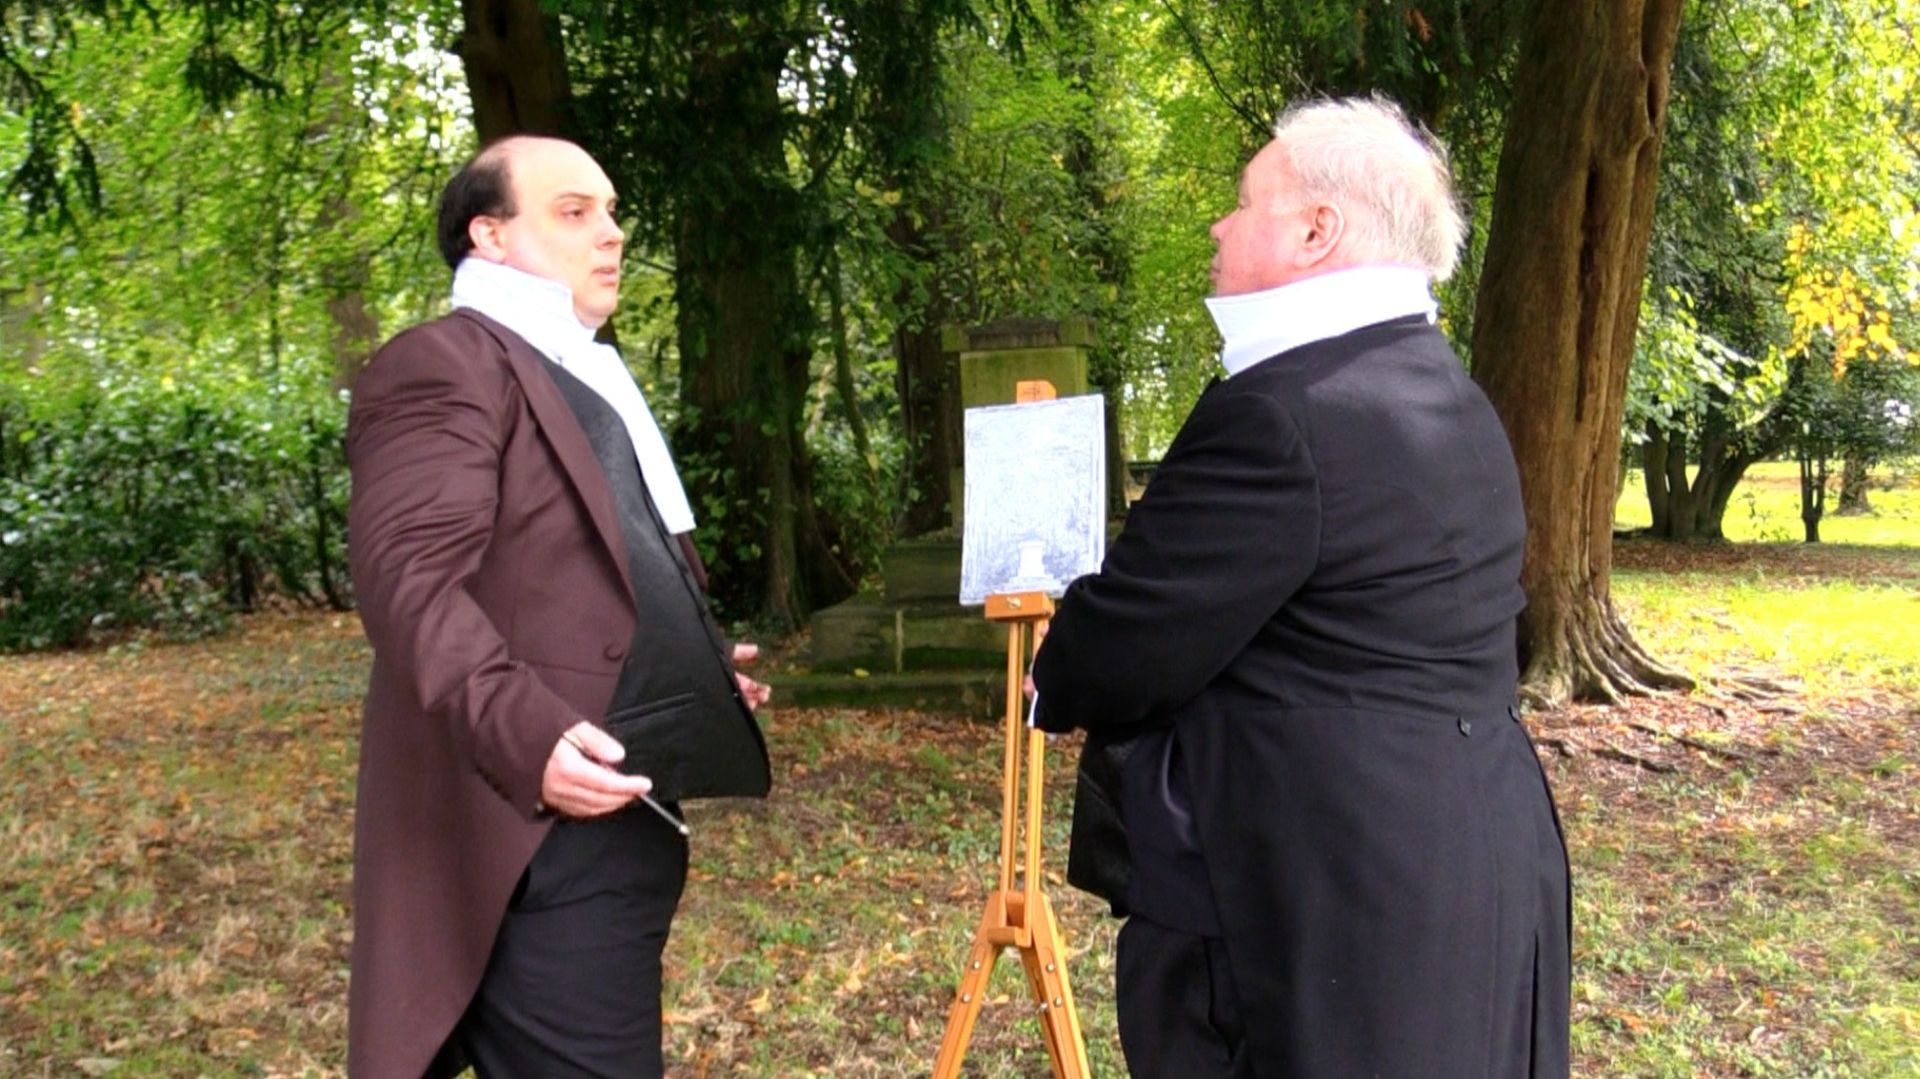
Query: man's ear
(488, 242)
(1325, 228)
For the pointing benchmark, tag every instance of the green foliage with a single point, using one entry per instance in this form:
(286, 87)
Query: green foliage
(168, 363)
(1785, 176)
(1682, 374)
(137, 502)
(857, 496)
(247, 188)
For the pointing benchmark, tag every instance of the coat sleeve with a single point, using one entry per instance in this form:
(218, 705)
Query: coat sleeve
(425, 434)
(1228, 530)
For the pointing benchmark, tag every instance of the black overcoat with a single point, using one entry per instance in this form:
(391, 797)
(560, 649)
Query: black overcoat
(1314, 604)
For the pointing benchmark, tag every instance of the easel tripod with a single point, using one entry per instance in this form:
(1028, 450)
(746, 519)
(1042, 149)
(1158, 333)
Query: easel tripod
(1019, 918)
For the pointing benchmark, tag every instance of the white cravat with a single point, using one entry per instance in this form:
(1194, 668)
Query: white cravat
(541, 312)
(1257, 325)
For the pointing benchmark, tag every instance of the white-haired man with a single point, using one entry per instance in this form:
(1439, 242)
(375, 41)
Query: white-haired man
(1305, 783)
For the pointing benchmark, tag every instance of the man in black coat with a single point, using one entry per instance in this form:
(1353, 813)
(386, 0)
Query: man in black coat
(1305, 782)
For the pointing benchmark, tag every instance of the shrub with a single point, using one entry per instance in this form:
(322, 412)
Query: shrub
(142, 503)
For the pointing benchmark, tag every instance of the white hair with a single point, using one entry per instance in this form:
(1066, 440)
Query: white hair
(1387, 175)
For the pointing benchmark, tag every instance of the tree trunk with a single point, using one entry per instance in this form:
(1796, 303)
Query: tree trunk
(927, 378)
(516, 67)
(1556, 314)
(1813, 492)
(1693, 509)
(843, 381)
(1713, 514)
(897, 47)
(1853, 489)
(356, 332)
(743, 332)
(1653, 467)
(1086, 162)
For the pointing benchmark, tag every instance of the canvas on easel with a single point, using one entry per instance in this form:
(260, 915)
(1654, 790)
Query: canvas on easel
(1035, 512)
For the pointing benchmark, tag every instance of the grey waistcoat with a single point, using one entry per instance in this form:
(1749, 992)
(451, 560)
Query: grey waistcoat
(676, 708)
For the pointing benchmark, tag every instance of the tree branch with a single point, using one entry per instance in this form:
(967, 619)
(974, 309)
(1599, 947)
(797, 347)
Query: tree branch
(1199, 51)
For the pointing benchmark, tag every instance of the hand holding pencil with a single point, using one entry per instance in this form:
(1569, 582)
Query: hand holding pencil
(583, 779)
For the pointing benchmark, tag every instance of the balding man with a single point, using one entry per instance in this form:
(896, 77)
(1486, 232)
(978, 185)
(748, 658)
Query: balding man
(543, 656)
(1305, 782)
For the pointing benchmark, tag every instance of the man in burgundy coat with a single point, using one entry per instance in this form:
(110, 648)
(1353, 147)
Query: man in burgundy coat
(1305, 782)
(543, 657)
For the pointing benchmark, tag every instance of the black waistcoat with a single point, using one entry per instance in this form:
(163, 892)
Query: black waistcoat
(676, 709)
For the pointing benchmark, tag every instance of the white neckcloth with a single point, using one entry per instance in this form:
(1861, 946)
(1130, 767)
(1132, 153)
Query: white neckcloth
(1257, 325)
(541, 312)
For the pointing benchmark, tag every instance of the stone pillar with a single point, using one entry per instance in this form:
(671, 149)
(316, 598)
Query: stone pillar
(997, 356)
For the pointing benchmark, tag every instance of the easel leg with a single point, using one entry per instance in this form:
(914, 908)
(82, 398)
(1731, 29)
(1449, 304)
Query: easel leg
(1046, 966)
(966, 1005)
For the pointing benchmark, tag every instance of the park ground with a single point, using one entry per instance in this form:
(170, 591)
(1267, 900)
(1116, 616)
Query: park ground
(175, 848)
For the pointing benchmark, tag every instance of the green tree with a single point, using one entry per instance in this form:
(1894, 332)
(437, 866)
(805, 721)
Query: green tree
(1784, 164)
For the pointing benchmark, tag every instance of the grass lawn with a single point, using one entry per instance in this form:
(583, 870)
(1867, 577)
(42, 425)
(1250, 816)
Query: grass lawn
(175, 854)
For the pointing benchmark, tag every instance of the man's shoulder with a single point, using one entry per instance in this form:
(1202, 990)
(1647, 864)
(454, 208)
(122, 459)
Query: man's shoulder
(456, 349)
(462, 330)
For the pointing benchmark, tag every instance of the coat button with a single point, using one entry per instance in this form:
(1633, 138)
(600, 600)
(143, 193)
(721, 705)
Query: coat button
(614, 652)
(1466, 729)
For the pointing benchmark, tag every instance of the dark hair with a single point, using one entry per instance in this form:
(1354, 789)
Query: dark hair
(480, 189)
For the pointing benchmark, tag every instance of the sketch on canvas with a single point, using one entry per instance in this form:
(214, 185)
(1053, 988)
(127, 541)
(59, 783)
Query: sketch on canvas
(1036, 497)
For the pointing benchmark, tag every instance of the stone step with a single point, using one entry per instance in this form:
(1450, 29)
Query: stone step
(978, 694)
(882, 637)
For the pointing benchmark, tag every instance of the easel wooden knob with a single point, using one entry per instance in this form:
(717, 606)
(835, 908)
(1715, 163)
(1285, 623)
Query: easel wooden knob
(1020, 917)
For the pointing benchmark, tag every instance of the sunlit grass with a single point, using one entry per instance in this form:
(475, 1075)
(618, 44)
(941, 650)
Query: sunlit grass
(1828, 632)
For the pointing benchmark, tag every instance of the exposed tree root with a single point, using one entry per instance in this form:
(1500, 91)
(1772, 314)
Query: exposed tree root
(1692, 742)
(1565, 747)
(1593, 658)
(1616, 753)
(1573, 749)
(1751, 686)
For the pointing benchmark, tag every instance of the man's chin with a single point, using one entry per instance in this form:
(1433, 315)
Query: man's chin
(594, 315)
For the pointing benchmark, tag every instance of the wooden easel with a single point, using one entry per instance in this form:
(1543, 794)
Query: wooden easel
(1019, 918)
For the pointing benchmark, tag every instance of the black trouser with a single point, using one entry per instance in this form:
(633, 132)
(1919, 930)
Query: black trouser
(1179, 1016)
(573, 985)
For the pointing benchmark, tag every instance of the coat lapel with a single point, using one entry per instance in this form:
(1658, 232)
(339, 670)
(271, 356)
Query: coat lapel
(569, 442)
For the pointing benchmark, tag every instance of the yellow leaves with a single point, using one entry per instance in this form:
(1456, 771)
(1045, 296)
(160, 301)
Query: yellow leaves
(1880, 333)
(1851, 313)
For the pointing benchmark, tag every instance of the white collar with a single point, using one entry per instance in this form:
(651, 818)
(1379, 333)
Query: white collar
(538, 309)
(541, 312)
(1257, 325)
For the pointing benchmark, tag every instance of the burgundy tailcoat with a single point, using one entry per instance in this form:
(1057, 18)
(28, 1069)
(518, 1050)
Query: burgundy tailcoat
(488, 569)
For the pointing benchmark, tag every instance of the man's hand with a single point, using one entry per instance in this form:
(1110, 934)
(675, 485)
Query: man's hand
(1039, 634)
(578, 784)
(754, 693)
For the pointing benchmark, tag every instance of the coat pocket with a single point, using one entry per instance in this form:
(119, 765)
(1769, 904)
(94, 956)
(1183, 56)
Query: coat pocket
(655, 735)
